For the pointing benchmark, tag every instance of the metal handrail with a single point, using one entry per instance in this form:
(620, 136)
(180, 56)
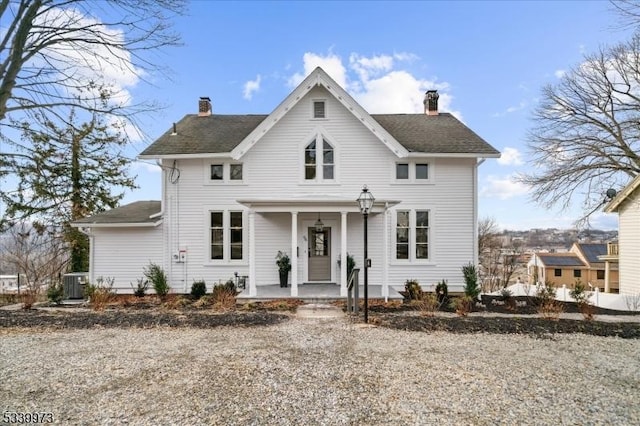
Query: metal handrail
(352, 291)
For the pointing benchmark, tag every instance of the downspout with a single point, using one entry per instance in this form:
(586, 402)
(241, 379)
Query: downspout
(475, 210)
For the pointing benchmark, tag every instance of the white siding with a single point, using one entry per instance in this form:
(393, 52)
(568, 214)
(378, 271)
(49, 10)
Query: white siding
(122, 253)
(274, 168)
(629, 244)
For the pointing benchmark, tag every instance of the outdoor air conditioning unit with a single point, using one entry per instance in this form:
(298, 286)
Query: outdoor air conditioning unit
(73, 285)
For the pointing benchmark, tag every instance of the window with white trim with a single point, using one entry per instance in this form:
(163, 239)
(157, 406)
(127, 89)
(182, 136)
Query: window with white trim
(235, 171)
(319, 109)
(402, 171)
(226, 230)
(319, 160)
(235, 235)
(217, 235)
(223, 172)
(413, 172)
(422, 171)
(413, 235)
(422, 234)
(217, 171)
(402, 235)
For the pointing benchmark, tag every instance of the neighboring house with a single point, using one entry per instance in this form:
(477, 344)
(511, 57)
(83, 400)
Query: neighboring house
(582, 262)
(627, 205)
(236, 189)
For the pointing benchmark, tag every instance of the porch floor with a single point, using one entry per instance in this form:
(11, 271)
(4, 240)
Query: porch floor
(312, 292)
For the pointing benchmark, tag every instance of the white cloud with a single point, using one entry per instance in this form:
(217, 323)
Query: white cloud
(503, 188)
(332, 64)
(559, 73)
(378, 83)
(511, 109)
(92, 61)
(251, 86)
(510, 157)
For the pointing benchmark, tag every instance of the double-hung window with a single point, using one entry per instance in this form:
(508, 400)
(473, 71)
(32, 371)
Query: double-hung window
(217, 235)
(403, 232)
(226, 235)
(412, 235)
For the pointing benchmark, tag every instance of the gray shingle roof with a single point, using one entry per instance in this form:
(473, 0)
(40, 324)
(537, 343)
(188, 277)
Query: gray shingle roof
(561, 260)
(439, 134)
(136, 212)
(205, 135)
(591, 251)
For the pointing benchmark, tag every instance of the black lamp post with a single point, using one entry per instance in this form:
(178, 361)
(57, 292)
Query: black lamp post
(365, 202)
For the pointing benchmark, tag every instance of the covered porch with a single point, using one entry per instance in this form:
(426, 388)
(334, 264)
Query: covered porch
(317, 232)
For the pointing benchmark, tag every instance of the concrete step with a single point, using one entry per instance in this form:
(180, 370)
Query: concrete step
(319, 310)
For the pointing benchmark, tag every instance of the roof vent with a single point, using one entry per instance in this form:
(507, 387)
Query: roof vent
(431, 102)
(204, 106)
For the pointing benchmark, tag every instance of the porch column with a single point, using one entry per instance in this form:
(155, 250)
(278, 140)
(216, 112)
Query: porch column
(385, 256)
(294, 254)
(607, 276)
(343, 254)
(253, 291)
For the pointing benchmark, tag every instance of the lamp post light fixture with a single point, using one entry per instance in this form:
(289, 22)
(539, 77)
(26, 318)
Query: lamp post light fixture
(365, 202)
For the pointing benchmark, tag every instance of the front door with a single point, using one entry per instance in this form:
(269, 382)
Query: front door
(320, 254)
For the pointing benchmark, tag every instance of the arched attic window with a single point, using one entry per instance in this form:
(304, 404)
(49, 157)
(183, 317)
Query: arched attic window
(319, 165)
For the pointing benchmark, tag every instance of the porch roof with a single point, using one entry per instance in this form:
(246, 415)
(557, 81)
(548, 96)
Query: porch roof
(312, 204)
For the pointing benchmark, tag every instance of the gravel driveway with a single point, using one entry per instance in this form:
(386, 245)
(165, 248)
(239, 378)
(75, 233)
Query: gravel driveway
(324, 372)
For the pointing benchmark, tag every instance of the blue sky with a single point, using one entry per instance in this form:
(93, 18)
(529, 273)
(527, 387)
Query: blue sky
(488, 60)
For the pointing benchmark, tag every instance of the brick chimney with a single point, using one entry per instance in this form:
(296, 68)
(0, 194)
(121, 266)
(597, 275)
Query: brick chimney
(204, 107)
(431, 102)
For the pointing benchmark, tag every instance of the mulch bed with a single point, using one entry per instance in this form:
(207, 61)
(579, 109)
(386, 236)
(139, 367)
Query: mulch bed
(396, 315)
(140, 319)
(538, 327)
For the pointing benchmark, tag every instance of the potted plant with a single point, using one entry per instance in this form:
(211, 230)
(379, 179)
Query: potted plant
(284, 266)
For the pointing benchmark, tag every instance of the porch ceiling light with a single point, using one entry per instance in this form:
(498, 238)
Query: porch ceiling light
(319, 225)
(365, 200)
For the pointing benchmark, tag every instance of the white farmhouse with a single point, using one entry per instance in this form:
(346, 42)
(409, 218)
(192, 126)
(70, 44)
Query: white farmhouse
(627, 204)
(237, 189)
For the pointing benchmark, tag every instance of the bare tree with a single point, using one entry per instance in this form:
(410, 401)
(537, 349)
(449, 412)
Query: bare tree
(499, 259)
(39, 257)
(586, 137)
(58, 53)
(489, 246)
(628, 12)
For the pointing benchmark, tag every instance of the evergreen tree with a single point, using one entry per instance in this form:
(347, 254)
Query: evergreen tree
(67, 171)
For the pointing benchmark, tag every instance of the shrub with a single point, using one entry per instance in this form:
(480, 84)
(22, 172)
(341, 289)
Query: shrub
(55, 293)
(176, 302)
(158, 278)
(283, 261)
(582, 296)
(100, 293)
(428, 304)
(140, 290)
(413, 289)
(224, 296)
(462, 305)
(548, 306)
(29, 296)
(507, 298)
(442, 292)
(198, 289)
(351, 264)
(471, 287)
